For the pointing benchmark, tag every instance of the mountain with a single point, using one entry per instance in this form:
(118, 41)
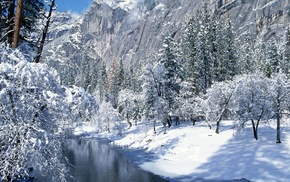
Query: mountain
(132, 30)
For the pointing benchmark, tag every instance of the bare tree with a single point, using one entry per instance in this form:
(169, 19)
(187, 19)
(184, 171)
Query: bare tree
(52, 6)
(10, 22)
(279, 94)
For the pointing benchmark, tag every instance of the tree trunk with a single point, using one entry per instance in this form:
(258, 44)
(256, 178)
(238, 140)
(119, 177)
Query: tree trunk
(217, 131)
(255, 129)
(44, 33)
(193, 120)
(128, 120)
(17, 24)
(164, 125)
(278, 140)
(169, 121)
(10, 22)
(218, 124)
(209, 125)
(154, 125)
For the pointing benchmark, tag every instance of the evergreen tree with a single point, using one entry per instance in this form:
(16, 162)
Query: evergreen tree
(103, 83)
(132, 79)
(204, 62)
(218, 47)
(286, 53)
(17, 23)
(149, 92)
(121, 75)
(26, 17)
(230, 51)
(272, 57)
(94, 74)
(85, 72)
(246, 63)
(188, 46)
(114, 83)
(173, 75)
(260, 57)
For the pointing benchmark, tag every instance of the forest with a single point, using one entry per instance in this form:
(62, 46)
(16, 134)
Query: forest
(209, 75)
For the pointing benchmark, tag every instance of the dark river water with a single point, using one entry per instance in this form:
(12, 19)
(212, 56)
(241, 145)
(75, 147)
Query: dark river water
(92, 160)
(97, 161)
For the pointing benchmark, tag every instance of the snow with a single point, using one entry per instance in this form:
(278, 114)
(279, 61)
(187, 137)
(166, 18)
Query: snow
(123, 4)
(187, 153)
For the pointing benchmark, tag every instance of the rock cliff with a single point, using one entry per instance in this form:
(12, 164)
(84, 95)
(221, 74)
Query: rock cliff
(131, 30)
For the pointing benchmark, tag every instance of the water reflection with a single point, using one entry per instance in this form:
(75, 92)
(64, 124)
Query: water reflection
(96, 161)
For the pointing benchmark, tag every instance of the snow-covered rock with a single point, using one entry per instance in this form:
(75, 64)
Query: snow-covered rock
(131, 30)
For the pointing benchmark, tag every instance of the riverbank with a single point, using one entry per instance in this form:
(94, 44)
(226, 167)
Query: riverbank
(187, 153)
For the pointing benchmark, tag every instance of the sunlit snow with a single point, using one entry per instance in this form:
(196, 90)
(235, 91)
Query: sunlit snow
(189, 152)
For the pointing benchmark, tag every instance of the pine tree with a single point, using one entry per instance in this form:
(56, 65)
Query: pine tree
(218, 47)
(103, 83)
(114, 83)
(260, 57)
(27, 15)
(173, 76)
(230, 51)
(17, 23)
(121, 75)
(204, 62)
(246, 63)
(188, 47)
(83, 77)
(272, 57)
(286, 53)
(94, 74)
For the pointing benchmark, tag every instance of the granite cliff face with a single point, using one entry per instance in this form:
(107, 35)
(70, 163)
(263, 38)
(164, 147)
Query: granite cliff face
(131, 30)
(261, 18)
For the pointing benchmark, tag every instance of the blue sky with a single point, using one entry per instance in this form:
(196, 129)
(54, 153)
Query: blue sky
(77, 6)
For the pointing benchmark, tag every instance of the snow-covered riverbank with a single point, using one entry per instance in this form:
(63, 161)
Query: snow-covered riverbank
(188, 152)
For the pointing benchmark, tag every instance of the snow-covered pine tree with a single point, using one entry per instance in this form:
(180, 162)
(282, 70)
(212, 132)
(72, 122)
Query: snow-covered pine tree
(218, 49)
(188, 47)
(121, 75)
(17, 23)
(286, 53)
(246, 63)
(114, 83)
(31, 12)
(260, 57)
(204, 62)
(273, 58)
(151, 92)
(103, 83)
(83, 77)
(170, 59)
(230, 51)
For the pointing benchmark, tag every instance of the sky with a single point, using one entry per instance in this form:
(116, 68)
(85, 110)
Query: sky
(77, 6)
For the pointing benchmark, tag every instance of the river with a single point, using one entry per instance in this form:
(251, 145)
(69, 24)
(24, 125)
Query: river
(96, 161)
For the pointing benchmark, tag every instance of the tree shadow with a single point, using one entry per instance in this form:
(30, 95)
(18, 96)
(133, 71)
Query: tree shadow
(141, 156)
(245, 158)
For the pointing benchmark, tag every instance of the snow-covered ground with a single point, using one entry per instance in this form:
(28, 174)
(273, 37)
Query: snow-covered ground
(188, 152)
